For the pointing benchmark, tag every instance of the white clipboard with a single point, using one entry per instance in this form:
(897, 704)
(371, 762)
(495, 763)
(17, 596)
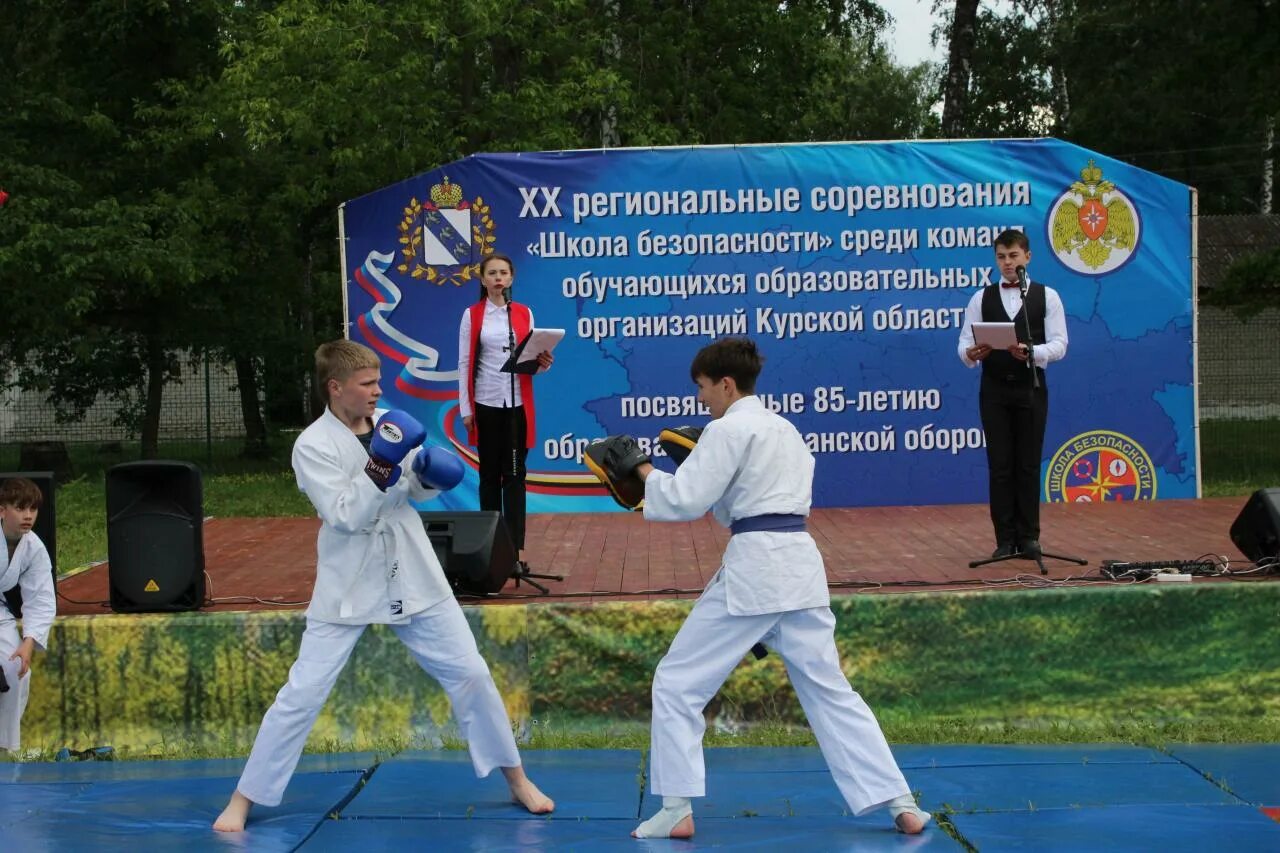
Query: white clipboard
(995, 335)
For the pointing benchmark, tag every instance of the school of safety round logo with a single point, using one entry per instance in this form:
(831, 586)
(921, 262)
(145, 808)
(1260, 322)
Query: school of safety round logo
(1094, 228)
(1100, 465)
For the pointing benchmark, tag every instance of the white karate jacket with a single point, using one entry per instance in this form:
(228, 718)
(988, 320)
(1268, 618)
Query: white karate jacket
(31, 571)
(372, 548)
(749, 462)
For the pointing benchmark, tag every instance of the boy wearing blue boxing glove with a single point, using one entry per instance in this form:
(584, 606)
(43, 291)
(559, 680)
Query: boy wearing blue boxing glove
(350, 463)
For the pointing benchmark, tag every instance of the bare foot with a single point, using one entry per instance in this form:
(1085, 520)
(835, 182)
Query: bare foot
(909, 823)
(234, 815)
(525, 793)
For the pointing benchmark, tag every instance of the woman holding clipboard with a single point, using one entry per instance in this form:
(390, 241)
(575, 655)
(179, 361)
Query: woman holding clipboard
(496, 405)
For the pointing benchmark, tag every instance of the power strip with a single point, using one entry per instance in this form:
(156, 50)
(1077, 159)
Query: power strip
(1174, 570)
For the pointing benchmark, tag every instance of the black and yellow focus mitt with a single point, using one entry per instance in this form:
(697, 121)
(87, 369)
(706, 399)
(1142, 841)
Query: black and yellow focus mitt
(678, 442)
(614, 461)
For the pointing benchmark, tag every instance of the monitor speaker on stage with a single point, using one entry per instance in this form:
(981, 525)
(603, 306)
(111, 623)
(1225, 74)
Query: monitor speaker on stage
(474, 548)
(155, 536)
(1256, 530)
(46, 526)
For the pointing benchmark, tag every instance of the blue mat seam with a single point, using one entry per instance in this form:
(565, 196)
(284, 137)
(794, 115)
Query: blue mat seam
(335, 812)
(1212, 781)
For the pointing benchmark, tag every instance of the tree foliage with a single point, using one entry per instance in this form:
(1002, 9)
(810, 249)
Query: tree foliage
(97, 250)
(1185, 89)
(1250, 285)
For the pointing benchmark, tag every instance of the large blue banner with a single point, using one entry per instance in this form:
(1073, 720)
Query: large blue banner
(849, 264)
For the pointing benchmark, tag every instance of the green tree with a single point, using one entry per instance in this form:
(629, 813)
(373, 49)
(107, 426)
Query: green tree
(97, 252)
(1251, 285)
(1186, 89)
(739, 71)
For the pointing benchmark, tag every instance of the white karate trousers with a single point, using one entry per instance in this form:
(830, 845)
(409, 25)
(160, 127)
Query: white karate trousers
(710, 644)
(441, 642)
(14, 702)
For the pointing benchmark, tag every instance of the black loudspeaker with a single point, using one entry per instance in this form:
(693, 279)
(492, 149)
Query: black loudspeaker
(474, 548)
(155, 536)
(1256, 530)
(46, 527)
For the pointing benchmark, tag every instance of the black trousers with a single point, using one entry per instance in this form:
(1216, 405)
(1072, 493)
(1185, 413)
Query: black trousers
(1014, 417)
(501, 446)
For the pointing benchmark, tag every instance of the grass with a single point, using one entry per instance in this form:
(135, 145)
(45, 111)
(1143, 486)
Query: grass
(635, 735)
(1239, 456)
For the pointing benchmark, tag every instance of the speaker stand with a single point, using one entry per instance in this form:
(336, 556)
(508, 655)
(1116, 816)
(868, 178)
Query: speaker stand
(1038, 556)
(522, 573)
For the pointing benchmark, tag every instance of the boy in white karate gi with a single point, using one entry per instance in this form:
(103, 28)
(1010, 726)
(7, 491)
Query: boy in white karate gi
(375, 566)
(25, 568)
(751, 468)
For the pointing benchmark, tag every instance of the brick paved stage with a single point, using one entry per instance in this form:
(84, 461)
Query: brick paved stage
(612, 556)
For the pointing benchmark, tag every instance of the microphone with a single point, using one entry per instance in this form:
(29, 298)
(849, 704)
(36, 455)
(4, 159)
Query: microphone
(506, 295)
(1021, 272)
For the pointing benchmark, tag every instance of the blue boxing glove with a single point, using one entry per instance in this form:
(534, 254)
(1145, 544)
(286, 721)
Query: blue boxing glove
(395, 435)
(437, 468)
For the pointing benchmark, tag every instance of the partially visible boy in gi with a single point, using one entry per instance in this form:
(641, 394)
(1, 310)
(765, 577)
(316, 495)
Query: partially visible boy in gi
(375, 565)
(25, 568)
(752, 469)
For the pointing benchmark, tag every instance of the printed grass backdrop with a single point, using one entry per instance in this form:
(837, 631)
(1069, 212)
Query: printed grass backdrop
(1200, 662)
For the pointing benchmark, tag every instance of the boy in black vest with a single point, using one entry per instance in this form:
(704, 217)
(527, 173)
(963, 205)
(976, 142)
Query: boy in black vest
(1013, 407)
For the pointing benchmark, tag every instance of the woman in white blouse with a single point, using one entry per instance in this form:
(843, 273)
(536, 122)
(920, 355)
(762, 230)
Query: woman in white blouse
(498, 408)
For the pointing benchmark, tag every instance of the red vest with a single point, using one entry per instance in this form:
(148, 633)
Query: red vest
(520, 324)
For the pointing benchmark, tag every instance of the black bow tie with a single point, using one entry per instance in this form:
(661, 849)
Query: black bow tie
(1008, 284)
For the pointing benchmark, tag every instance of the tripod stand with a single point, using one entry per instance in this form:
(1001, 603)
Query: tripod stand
(522, 573)
(1036, 555)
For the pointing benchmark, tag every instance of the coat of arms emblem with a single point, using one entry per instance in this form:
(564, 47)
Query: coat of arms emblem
(1093, 228)
(444, 239)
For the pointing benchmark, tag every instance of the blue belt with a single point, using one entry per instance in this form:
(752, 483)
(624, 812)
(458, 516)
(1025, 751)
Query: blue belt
(769, 523)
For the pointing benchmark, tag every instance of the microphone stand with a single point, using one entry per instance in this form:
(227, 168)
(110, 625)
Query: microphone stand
(1023, 284)
(511, 349)
(522, 572)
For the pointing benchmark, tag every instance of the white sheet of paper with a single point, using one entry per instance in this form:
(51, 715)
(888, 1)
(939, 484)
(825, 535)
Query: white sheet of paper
(995, 335)
(540, 340)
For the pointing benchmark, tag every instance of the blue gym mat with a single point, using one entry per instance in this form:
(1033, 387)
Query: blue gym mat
(1081, 797)
(585, 784)
(563, 833)
(160, 805)
(1017, 787)
(1251, 771)
(1164, 827)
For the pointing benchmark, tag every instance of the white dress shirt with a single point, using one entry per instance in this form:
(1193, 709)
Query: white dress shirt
(749, 462)
(1055, 324)
(493, 387)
